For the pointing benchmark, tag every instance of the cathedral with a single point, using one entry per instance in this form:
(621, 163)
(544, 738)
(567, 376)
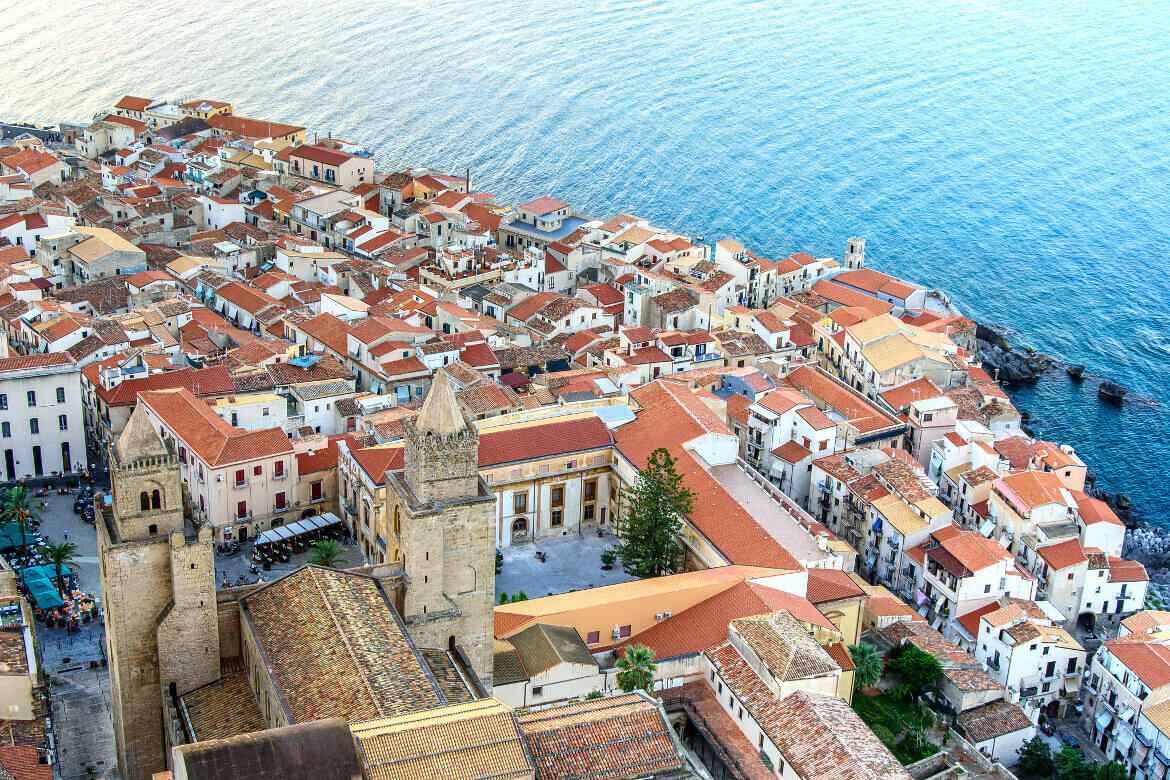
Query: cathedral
(189, 663)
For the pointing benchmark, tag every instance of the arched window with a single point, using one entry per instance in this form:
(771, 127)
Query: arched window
(155, 500)
(144, 501)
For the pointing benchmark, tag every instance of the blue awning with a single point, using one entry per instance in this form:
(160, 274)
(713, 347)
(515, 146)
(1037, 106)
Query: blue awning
(1103, 719)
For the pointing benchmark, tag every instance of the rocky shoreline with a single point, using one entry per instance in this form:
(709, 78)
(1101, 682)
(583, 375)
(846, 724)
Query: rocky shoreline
(1013, 366)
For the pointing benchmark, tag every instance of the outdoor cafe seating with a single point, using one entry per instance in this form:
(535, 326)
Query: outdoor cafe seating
(282, 542)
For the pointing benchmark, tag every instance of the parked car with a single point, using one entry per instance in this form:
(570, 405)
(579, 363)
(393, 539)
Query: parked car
(1069, 739)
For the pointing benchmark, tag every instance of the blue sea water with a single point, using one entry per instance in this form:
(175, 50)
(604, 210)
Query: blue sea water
(1014, 153)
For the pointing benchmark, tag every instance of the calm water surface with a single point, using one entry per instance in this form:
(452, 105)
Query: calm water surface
(1013, 153)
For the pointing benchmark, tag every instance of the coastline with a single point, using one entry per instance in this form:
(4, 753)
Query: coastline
(1146, 540)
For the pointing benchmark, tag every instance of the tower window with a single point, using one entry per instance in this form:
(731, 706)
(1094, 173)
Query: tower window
(155, 500)
(144, 501)
(153, 529)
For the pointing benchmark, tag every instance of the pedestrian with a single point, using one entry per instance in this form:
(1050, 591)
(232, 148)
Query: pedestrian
(66, 534)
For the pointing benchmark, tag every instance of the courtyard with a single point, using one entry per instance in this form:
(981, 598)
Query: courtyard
(572, 562)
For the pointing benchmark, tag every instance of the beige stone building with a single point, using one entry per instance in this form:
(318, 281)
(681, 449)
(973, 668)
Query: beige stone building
(158, 594)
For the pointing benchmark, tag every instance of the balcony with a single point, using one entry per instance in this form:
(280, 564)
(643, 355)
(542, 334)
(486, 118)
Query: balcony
(244, 517)
(993, 664)
(242, 484)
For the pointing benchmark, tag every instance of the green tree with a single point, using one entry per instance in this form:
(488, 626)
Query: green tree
(916, 671)
(1036, 758)
(1114, 770)
(1071, 764)
(20, 508)
(504, 597)
(869, 663)
(519, 596)
(637, 669)
(655, 507)
(60, 555)
(326, 552)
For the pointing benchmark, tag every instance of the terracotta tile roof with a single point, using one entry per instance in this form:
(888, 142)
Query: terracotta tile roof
(970, 620)
(319, 460)
(1063, 554)
(670, 416)
(1094, 510)
(704, 625)
(820, 736)
(27, 362)
(223, 708)
(843, 296)
(210, 381)
(902, 396)
(335, 647)
(472, 741)
(1126, 571)
(1149, 660)
(600, 739)
(785, 647)
(825, 585)
(959, 666)
(995, 719)
(510, 445)
(23, 762)
(208, 435)
(861, 414)
(791, 452)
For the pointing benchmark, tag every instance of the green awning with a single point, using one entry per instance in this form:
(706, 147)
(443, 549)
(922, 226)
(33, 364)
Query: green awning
(43, 594)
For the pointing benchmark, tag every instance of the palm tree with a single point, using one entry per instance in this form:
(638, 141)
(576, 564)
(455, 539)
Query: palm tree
(326, 553)
(19, 508)
(869, 663)
(60, 555)
(637, 669)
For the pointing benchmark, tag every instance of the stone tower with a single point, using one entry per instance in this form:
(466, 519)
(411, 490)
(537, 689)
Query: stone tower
(444, 517)
(855, 253)
(158, 594)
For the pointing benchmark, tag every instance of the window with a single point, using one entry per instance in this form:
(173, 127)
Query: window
(593, 637)
(557, 496)
(1050, 670)
(32, 397)
(156, 499)
(987, 588)
(256, 471)
(242, 509)
(183, 454)
(280, 501)
(536, 689)
(144, 501)
(588, 512)
(239, 477)
(315, 491)
(34, 425)
(3, 401)
(520, 503)
(63, 422)
(590, 490)
(6, 430)
(1072, 665)
(558, 518)
(60, 395)
(624, 632)
(277, 468)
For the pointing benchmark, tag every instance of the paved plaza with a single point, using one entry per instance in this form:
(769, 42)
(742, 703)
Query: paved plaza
(573, 563)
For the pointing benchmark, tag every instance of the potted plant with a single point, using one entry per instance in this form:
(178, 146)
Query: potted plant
(608, 558)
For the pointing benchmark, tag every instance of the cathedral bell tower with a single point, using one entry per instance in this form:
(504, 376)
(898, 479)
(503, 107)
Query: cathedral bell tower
(158, 594)
(443, 515)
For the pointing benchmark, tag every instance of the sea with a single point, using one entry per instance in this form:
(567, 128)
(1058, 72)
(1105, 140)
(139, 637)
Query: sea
(1013, 153)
